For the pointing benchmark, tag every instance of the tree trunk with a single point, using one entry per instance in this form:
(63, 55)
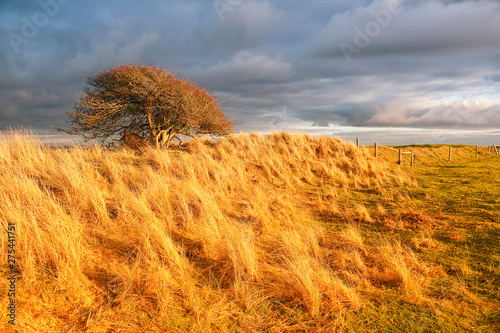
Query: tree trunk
(153, 133)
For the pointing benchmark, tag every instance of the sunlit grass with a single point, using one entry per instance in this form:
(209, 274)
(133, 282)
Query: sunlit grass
(252, 233)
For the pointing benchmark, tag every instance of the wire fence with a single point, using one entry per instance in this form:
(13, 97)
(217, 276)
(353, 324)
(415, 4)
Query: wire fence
(493, 149)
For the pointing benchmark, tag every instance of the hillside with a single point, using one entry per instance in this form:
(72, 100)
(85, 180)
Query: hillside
(252, 233)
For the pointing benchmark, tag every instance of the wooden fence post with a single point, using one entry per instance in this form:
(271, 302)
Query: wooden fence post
(496, 150)
(412, 158)
(400, 157)
(357, 142)
(376, 149)
(449, 155)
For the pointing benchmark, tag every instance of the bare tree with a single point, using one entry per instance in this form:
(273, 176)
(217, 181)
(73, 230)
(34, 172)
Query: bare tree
(152, 103)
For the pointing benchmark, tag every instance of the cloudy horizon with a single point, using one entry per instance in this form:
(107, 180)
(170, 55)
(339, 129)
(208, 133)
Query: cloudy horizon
(391, 71)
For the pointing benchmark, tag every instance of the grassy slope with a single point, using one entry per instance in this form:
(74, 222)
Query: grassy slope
(469, 192)
(465, 194)
(254, 233)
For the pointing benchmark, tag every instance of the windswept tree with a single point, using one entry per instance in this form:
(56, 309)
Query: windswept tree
(150, 102)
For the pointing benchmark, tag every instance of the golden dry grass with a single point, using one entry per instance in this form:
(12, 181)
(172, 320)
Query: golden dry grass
(219, 236)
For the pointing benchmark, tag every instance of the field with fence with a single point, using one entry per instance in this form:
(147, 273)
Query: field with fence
(251, 233)
(430, 154)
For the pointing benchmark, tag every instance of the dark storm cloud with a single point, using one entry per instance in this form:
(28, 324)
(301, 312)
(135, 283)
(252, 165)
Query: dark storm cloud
(275, 64)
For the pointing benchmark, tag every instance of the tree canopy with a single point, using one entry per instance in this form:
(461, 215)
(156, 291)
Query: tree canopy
(150, 102)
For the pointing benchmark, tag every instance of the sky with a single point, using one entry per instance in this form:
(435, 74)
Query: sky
(386, 71)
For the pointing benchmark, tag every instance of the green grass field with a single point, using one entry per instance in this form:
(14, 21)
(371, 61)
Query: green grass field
(465, 195)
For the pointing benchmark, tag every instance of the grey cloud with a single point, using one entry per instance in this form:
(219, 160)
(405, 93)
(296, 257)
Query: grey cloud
(244, 67)
(463, 114)
(35, 106)
(274, 64)
(429, 27)
(259, 19)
